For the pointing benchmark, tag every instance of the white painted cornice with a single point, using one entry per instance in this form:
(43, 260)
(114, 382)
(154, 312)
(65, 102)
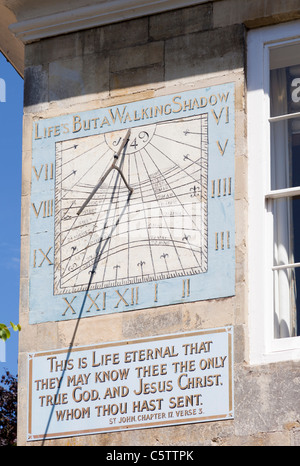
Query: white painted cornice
(10, 46)
(65, 16)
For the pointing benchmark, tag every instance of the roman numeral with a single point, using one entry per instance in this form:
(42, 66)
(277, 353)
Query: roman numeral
(155, 292)
(221, 187)
(134, 297)
(46, 171)
(44, 209)
(40, 257)
(69, 305)
(222, 240)
(225, 114)
(222, 149)
(186, 288)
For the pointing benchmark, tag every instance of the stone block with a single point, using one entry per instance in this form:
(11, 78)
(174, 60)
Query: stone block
(239, 344)
(202, 53)
(254, 13)
(78, 76)
(241, 308)
(55, 48)
(47, 337)
(23, 296)
(152, 322)
(208, 314)
(22, 398)
(26, 171)
(181, 21)
(124, 34)
(241, 181)
(90, 330)
(25, 241)
(267, 397)
(135, 57)
(35, 85)
(27, 336)
(136, 80)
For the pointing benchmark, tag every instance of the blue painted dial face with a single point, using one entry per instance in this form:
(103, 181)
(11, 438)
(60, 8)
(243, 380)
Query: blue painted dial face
(125, 221)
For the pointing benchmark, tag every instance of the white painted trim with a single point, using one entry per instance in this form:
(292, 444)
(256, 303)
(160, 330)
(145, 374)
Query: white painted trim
(279, 193)
(286, 266)
(263, 347)
(106, 12)
(284, 117)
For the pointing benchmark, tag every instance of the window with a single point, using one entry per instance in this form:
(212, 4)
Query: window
(273, 86)
(283, 198)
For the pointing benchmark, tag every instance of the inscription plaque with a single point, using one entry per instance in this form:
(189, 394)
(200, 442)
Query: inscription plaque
(150, 382)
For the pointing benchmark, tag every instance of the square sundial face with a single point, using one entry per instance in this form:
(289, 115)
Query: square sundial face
(159, 230)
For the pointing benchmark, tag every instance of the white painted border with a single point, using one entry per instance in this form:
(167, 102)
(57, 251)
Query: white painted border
(263, 347)
(106, 12)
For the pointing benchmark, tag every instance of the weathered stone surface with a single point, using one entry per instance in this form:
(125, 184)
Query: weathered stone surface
(266, 398)
(78, 76)
(35, 85)
(136, 57)
(125, 34)
(152, 322)
(254, 13)
(180, 22)
(133, 80)
(199, 54)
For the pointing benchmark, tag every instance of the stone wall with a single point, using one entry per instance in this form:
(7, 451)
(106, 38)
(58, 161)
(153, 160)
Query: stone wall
(185, 49)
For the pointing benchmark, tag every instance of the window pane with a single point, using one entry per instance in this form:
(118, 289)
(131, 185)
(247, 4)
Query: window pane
(285, 173)
(285, 154)
(285, 89)
(286, 302)
(286, 221)
(286, 216)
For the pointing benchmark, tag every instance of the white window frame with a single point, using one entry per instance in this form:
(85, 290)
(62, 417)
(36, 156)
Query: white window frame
(263, 347)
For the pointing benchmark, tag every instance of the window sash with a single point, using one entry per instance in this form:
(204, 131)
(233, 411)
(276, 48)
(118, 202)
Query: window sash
(264, 348)
(294, 265)
(285, 116)
(282, 193)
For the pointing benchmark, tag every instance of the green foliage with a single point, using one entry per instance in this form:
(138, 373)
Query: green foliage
(4, 330)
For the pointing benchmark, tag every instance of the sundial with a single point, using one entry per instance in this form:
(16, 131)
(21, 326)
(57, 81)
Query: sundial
(157, 230)
(132, 206)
